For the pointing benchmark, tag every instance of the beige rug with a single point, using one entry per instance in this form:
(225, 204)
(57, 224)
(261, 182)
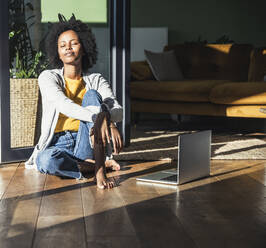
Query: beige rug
(159, 145)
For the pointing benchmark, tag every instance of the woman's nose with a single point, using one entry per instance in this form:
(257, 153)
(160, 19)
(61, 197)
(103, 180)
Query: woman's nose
(68, 47)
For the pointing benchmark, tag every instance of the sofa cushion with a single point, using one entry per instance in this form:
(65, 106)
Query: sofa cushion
(257, 68)
(213, 61)
(186, 108)
(239, 93)
(183, 91)
(164, 66)
(183, 108)
(140, 70)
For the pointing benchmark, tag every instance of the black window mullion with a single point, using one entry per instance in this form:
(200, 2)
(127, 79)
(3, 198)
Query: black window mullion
(120, 59)
(7, 154)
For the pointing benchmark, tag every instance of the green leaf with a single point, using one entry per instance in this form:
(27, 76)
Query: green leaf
(11, 34)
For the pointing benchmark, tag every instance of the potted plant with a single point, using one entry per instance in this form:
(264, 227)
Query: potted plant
(25, 66)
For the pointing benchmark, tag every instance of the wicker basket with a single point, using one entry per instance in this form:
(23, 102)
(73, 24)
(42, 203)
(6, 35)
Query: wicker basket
(24, 112)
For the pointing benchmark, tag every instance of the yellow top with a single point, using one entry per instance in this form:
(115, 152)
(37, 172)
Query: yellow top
(75, 90)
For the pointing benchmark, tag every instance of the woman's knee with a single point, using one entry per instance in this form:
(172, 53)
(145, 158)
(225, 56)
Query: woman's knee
(46, 160)
(91, 97)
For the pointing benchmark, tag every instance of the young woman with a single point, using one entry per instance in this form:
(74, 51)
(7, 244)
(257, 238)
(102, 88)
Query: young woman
(79, 108)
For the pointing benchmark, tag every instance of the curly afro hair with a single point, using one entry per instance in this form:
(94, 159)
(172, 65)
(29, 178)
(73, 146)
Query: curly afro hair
(86, 38)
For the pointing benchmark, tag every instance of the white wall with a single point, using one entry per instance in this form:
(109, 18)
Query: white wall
(153, 39)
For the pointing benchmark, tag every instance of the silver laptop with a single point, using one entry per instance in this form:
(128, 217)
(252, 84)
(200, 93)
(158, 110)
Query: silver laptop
(194, 152)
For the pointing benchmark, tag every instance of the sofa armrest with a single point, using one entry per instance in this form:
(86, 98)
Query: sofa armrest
(257, 67)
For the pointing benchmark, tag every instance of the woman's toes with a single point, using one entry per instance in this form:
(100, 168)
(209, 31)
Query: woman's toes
(116, 166)
(112, 164)
(110, 185)
(100, 185)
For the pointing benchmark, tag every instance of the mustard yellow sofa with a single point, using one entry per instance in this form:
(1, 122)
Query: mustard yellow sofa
(219, 80)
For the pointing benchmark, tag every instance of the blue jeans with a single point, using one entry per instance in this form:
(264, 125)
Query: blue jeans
(68, 147)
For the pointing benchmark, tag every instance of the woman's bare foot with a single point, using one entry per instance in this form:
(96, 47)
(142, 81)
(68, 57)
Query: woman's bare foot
(102, 181)
(109, 164)
(112, 164)
(100, 174)
(101, 136)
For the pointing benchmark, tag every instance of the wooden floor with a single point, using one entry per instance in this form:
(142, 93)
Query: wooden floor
(226, 210)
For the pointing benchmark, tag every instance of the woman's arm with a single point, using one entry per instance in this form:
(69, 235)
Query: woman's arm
(102, 131)
(115, 110)
(116, 139)
(109, 99)
(52, 93)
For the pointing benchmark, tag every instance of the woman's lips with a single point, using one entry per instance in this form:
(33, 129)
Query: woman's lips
(69, 54)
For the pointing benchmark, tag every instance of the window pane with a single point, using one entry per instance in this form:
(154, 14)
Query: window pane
(91, 11)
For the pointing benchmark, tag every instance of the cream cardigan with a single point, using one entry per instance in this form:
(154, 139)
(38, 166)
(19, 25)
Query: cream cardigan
(54, 101)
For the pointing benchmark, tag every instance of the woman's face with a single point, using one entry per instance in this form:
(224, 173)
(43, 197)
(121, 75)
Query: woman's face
(69, 48)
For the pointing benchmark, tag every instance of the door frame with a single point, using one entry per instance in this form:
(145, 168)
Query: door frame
(119, 18)
(7, 154)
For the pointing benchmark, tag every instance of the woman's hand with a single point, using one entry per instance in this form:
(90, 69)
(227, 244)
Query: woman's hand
(101, 132)
(105, 132)
(116, 138)
(102, 135)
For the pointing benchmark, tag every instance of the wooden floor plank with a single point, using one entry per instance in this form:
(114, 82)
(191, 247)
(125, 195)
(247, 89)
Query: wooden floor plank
(106, 218)
(224, 169)
(19, 208)
(150, 213)
(114, 242)
(61, 222)
(132, 191)
(260, 174)
(223, 213)
(153, 220)
(6, 174)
